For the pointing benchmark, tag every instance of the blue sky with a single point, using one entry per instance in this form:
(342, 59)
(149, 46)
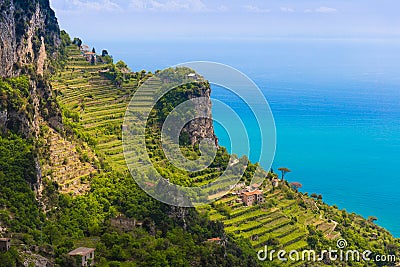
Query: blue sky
(228, 19)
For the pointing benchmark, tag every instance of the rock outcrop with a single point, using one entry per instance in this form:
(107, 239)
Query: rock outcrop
(28, 28)
(29, 32)
(201, 128)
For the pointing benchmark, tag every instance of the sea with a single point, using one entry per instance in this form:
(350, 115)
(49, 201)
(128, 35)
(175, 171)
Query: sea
(335, 103)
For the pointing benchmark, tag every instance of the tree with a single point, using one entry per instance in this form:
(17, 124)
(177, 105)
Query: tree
(372, 219)
(104, 53)
(312, 241)
(296, 185)
(107, 59)
(77, 42)
(65, 39)
(93, 50)
(284, 170)
(121, 65)
(92, 60)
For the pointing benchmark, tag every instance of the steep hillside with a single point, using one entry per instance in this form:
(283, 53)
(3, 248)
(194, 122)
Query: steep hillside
(286, 220)
(85, 187)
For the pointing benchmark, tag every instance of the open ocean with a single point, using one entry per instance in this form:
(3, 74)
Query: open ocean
(336, 105)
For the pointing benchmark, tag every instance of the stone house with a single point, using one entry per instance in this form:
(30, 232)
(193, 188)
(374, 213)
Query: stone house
(86, 254)
(253, 197)
(123, 223)
(5, 244)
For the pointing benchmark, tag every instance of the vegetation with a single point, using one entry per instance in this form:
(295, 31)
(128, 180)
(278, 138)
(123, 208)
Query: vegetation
(93, 99)
(14, 94)
(292, 221)
(94, 115)
(19, 209)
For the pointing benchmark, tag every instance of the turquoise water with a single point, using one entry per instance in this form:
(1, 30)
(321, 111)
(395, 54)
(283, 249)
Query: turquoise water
(336, 106)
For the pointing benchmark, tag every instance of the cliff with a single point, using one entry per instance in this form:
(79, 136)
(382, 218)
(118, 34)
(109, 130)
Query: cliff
(187, 87)
(29, 41)
(201, 128)
(28, 31)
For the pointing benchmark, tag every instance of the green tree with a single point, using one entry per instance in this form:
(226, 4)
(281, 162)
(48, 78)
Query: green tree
(77, 42)
(284, 171)
(65, 38)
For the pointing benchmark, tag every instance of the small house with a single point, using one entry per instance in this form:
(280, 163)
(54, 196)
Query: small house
(123, 223)
(86, 255)
(255, 186)
(90, 56)
(150, 184)
(84, 48)
(214, 240)
(253, 197)
(275, 182)
(5, 244)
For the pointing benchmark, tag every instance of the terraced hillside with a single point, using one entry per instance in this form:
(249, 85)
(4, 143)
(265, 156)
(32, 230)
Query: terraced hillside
(280, 223)
(94, 107)
(69, 163)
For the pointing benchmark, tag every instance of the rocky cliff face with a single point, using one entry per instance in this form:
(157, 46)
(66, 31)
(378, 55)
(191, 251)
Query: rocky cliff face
(201, 128)
(29, 33)
(28, 28)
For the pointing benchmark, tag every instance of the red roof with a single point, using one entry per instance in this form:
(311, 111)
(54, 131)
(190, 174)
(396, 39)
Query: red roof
(214, 239)
(149, 184)
(255, 192)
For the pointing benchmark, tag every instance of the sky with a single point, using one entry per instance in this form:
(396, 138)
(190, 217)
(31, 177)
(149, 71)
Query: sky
(228, 19)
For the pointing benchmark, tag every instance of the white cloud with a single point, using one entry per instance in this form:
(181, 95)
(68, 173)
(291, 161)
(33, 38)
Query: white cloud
(106, 5)
(256, 9)
(222, 8)
(287, 9)
(169, 5)
(322, 9)
(79, 6)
